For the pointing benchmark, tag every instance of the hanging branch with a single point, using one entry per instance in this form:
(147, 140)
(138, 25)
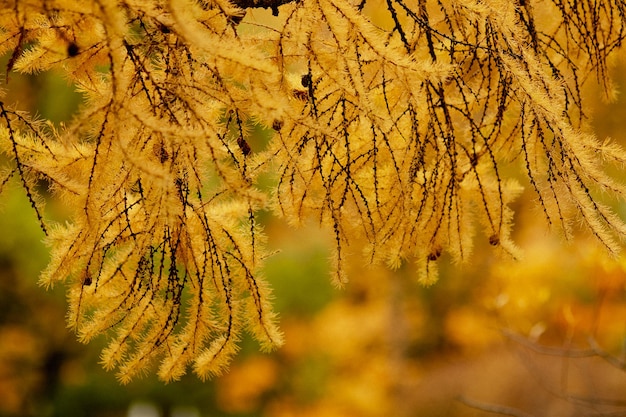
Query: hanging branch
(399, 137)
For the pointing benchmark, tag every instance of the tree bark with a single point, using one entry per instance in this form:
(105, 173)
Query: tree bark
(271, 4)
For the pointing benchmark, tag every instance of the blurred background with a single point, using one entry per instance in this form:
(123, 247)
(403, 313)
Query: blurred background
(543, 337)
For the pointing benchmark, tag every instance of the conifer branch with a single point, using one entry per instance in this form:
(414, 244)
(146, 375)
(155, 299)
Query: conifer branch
(394, 137)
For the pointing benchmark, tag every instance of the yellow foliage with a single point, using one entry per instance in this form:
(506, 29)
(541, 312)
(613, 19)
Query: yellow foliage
(241, 389)
(472, 328)
(406, 126)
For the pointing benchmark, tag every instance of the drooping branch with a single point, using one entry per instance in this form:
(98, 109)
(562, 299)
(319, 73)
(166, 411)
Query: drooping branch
(394, 134)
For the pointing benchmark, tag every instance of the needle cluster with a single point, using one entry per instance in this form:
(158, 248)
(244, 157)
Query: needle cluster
(399, 124)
